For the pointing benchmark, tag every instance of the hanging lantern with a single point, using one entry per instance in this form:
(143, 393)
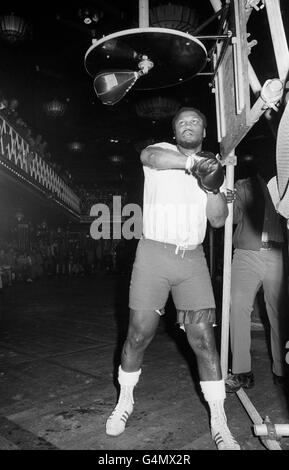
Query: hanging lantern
(13, 28)
(177, 17)
(19, 215)
(116, 159)
(54, 108)
(75, 146)
(157, 108)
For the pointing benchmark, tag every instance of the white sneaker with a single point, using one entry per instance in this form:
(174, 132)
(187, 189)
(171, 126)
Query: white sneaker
(223, 437)
(115, 425)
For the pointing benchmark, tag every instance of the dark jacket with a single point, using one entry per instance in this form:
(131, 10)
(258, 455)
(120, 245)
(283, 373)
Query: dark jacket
(249, 209)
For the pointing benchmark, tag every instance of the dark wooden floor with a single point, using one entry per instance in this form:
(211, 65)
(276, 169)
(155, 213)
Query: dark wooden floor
(59, 348)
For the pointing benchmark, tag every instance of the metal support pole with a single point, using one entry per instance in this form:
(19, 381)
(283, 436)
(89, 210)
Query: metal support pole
(256, 88)
(280, 430)
(227, 268)
(253, 80)
(256, 419)
(278, 37)
(256, 111)
(144, 13)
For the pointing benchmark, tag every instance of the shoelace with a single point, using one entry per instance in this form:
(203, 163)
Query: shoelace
(125, 401)
(222, 433)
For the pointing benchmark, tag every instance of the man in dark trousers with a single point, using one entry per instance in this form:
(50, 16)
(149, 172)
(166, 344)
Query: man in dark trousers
(258, 260)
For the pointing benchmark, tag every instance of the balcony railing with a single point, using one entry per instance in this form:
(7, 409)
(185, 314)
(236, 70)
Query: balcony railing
(21, 161)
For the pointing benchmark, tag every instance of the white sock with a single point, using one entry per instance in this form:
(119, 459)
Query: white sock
(127, 381)
(215, 394)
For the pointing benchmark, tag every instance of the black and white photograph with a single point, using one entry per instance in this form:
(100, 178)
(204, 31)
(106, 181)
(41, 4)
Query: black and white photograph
(144, 221)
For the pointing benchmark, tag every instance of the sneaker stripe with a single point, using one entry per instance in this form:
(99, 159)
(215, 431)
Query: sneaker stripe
(218, 438)
(116, 422)
(124, 417)
(222, 444)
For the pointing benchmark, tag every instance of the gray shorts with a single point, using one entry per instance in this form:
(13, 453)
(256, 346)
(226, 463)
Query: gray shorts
(158, 270)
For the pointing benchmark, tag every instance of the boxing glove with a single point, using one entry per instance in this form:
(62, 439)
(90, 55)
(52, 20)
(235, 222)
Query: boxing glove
(208, 171)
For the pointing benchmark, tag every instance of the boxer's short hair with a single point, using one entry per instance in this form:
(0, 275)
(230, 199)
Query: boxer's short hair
(195, 110)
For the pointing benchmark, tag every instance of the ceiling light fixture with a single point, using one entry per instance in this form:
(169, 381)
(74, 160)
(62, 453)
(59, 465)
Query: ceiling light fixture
(54, 108)
(19, 215)
(157, 108)
(13, 28)
(76, 146)
(172, 16)
(116, 159)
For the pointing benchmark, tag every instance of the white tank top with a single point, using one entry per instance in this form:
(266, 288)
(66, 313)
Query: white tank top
(174, 206)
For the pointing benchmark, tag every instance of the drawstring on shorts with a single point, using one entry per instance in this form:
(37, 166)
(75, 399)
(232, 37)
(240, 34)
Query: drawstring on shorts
(178, 248)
